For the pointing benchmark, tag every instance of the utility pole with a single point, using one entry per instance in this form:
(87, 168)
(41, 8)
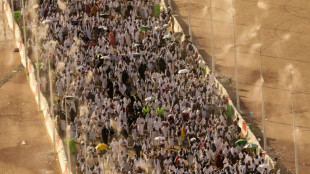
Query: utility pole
(236, 60)
(51, 89)
(37, 66)
(25, 35)
(13, 16)
(294, 127)
(189, 20)
(52, 102)
(212, 41)
(67, 135)
(262, 95)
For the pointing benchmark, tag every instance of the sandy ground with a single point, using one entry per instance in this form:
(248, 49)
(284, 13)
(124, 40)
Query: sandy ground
(19, 118)
(282, 29)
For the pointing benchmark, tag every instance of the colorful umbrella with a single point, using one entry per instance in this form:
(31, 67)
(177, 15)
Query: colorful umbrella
(144, 28)
(99, 56)
(101, 146)
(241, 142)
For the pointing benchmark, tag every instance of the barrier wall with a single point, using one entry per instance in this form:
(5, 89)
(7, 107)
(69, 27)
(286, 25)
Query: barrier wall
(34, 87)
(245, 130)
(249, 136)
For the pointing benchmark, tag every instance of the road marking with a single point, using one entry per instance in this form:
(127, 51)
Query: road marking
(8, 77)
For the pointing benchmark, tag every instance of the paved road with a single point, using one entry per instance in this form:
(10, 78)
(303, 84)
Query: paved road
(19, 119)
(282, 28)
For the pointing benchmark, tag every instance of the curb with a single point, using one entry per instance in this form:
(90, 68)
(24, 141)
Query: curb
(34, 88)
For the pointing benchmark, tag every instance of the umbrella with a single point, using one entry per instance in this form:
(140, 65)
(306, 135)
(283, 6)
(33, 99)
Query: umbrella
(250, 146)
(80, 67)
(264, 166)
(159, 138)
(47, 21)
(143, 28)
(101, 146)
(241, 142)
(149, 99)
(103, 27)
(136, 54)
(157, 28)
(56, 101)
(183, 71)
(105, 57)
(165, 26)
(104, 15)
(170, 115)
(99, 56)
(193, 139)
(187, 110)
(137, 45)
(70, 98)
(169, 36)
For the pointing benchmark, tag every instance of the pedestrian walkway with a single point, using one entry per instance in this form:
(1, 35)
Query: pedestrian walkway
(24, 144)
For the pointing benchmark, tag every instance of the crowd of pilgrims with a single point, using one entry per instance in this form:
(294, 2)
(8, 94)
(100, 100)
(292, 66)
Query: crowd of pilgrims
(110, 66)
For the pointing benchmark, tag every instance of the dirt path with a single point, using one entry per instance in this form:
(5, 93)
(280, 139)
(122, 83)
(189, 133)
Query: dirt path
(19, 118)
(282, 28)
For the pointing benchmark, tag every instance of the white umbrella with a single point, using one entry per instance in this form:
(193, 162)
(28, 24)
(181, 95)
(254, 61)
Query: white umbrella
(80, 67)
(105, 57)
(103, 27)
(193, 139)
(149, 99)
(183, 71)
(170, 115)
(159, 138)
(186, 110)
(250, 146)
(165, 26)
(136, 54)
(136, 45)
(47, 21)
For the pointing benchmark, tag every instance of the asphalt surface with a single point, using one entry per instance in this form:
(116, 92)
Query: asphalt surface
(19, 119)
(282, 29)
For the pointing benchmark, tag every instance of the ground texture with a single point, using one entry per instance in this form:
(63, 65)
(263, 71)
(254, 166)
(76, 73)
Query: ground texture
(282, 29)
